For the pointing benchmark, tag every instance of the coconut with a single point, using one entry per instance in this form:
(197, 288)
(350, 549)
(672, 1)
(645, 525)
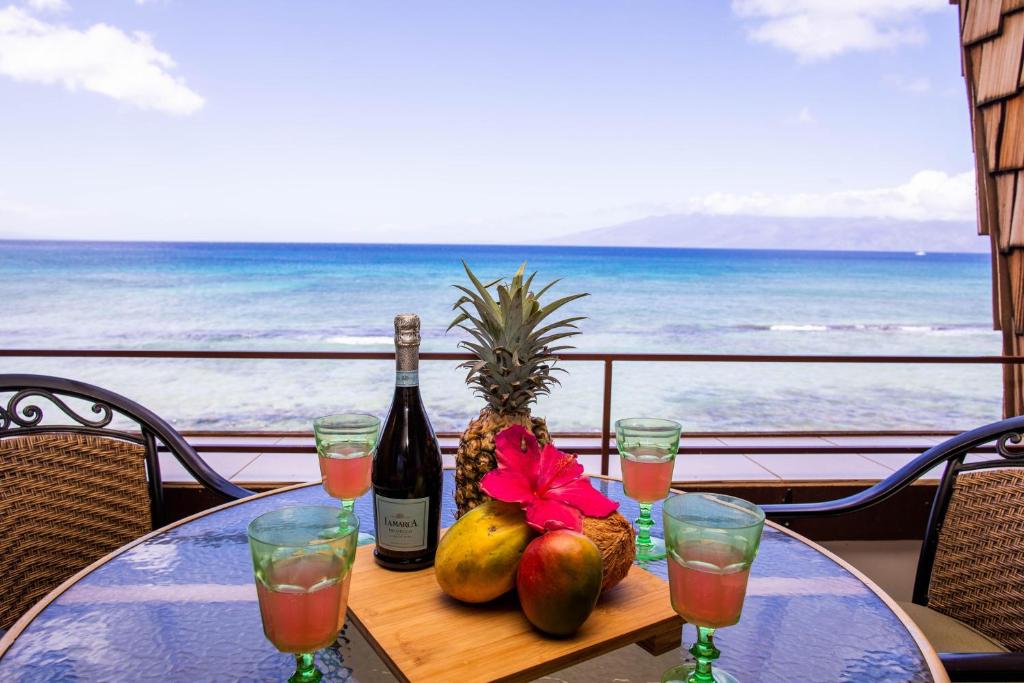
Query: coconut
(613, 535)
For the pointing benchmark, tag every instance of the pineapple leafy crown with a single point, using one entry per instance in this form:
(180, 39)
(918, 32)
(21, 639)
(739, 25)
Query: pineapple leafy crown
(514, 341)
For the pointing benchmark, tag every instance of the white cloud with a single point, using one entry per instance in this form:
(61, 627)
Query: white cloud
(918, 86)
(913, 86)
(928, 195)
(16, 209)
(820, 29)
(101, 59)
(55, 6)
(805, 116)
(21, 220)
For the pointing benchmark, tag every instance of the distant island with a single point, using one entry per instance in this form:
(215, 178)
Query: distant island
(774, 232)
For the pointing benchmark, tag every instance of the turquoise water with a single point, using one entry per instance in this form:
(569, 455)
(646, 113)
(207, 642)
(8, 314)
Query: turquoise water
(343, 297)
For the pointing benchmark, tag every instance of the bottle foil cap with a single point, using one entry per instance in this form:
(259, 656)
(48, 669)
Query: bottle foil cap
(407, 329)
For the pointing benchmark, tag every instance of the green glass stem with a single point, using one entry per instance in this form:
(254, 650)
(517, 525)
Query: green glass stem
(348, 507)
(705, 652)
(305, 670)
(643, 526)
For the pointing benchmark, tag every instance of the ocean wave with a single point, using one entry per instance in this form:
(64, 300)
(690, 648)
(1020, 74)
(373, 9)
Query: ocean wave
(348, 340)
(692, 330)
(950, 330)
(798, 328)
(373, 336)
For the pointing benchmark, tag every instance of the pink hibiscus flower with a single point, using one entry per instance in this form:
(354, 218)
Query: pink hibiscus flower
(548, 483)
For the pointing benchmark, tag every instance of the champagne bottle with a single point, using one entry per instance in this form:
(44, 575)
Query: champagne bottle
(407, 468)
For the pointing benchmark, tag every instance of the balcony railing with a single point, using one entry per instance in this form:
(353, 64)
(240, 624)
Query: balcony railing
(606, 359)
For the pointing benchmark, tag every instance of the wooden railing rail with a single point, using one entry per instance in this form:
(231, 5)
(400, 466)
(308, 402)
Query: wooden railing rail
(608, 360)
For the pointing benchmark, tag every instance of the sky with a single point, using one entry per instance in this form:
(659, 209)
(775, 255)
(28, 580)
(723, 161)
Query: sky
(472, 122)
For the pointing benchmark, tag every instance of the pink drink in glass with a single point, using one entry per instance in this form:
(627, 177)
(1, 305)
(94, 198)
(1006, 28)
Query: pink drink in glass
(646, 474)
(301, 605)
(346, 583)
(708, 581)
(346, 471)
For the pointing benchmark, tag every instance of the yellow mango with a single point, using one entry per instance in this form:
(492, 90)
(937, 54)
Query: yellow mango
(477, 558)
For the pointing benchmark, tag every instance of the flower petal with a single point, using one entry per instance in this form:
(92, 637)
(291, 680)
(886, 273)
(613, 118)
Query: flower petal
(582, 495)
(556, 469)
(507, 485)
(516, 447)
(548, 515)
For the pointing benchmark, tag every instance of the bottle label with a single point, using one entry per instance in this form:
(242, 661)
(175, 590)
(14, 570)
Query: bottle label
(407, 378)
(402, 523)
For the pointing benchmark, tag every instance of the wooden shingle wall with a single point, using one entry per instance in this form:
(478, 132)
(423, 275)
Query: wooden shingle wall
(992, 38)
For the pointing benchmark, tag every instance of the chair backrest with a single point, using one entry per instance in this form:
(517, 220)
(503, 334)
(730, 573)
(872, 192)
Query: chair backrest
(75, 486)
(66, 499)
(972, 560)
(971, 565)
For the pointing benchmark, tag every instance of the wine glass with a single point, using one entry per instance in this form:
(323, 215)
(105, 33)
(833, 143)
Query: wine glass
(647, 448)
(712, 540)
(302, 558)
(345, 446)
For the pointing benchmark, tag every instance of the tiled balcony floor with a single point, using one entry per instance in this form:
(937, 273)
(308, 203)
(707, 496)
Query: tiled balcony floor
(773, 459)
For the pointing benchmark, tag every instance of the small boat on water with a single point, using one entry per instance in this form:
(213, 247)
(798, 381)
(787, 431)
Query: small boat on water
(920, 253)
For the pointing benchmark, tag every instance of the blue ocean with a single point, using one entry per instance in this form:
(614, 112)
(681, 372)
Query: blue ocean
(344, 297)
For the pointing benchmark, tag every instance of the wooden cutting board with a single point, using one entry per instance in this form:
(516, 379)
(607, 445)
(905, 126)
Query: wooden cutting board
(425, 636)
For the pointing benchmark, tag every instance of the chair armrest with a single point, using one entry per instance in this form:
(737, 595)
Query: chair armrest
(888, 487)
(984, 666)
(956, 447)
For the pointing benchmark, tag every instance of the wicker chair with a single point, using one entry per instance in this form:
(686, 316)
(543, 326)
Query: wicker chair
(969, 589)
(75, 487)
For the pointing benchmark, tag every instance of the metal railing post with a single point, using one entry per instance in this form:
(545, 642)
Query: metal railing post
(606, 415)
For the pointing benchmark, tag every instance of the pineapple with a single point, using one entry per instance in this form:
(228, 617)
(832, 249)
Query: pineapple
(512, 339)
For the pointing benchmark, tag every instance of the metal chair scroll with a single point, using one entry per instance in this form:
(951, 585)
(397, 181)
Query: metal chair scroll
(73, 487)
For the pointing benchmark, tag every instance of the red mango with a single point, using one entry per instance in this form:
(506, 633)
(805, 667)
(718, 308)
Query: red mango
(559, 581)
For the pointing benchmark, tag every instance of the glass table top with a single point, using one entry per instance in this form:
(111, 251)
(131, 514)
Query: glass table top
(182, 606)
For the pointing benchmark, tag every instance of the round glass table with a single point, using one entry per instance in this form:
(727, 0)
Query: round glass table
(180, 604)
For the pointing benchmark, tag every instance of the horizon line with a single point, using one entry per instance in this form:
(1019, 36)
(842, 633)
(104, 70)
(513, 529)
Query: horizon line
(490, 244)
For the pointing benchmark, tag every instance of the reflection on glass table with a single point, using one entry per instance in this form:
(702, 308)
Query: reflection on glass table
(182, 606)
